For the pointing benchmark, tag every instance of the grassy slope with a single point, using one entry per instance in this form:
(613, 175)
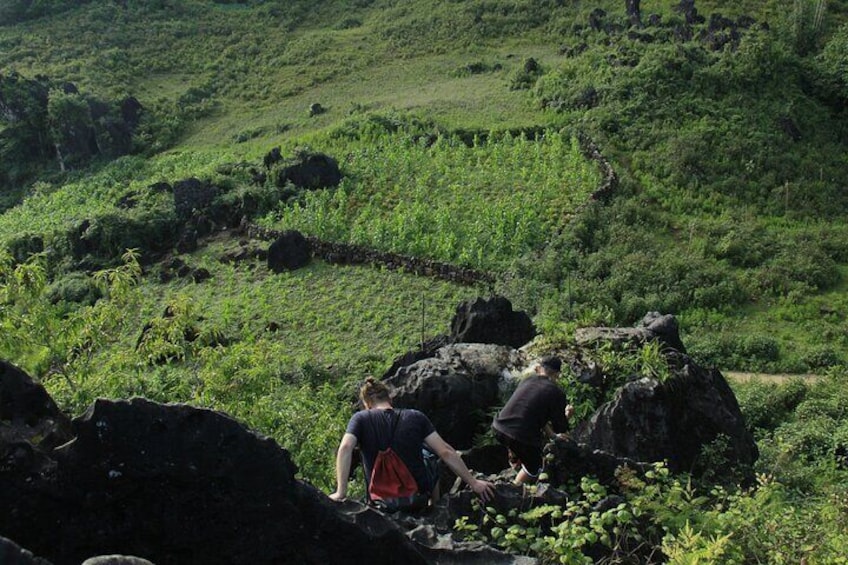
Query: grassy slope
(337, 323)
(262, 68)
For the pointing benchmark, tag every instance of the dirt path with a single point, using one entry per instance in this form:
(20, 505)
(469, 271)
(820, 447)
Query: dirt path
(768, 377)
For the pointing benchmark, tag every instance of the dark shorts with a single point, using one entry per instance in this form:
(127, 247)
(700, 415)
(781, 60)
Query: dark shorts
(530, 456)
(431, 465)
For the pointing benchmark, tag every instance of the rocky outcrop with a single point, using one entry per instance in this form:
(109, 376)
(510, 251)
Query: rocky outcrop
(290, 251)
(671, 421)
(116, 560)
(491, 321)
(458, 387)
(177, 484)
(27, 413)
(142, 482)
(653, 327)
(192, 196)
(55, 119)
(273, 157)
(426, 350)
(646, 421)
(310, 171)
(12, 554)
(649, 420)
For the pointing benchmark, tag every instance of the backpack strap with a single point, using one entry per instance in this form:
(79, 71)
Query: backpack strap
(394, 427)
(395, 421)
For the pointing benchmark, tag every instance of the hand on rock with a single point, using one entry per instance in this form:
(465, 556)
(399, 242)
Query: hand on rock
(483, 489)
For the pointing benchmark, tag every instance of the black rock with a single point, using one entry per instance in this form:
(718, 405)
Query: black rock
(290, 251)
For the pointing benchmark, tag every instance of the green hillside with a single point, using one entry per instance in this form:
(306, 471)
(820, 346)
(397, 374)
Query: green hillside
(463, 131)
(730, 145)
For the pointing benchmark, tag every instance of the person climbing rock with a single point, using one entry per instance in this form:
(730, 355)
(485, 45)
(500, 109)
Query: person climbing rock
(536, 411)
(380, 426)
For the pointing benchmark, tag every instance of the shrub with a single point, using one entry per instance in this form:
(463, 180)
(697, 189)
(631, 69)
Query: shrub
(768, 405)
(525, 76)
(799, 267)
(833, 66)
(822, 357)
(104, 238)
(24, 246)
(74, 287)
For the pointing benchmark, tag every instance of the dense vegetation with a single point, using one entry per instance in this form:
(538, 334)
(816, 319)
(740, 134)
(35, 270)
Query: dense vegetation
(456, 125)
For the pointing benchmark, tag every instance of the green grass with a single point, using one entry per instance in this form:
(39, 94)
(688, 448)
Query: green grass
(239, 80)
(296, 383)
(343, 320)
(720, 217)
(479, 206)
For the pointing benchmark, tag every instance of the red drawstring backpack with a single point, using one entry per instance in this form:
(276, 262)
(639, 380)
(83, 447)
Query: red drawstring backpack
(391, 482)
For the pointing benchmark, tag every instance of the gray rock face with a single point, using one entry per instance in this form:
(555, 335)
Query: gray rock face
(32, 415)
(491, 321)
(653, 327)
(649, 421)
(12, 554)
(176, 484)
(116, 560)
(458, 387)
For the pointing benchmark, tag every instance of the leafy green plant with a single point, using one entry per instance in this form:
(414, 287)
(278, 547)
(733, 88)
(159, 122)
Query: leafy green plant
(478, 206)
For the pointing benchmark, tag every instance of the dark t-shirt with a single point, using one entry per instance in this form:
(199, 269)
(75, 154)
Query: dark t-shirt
(373, 429)
(535, 402)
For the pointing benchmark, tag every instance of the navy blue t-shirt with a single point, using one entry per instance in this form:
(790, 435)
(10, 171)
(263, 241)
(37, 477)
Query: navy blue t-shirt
(373, 429)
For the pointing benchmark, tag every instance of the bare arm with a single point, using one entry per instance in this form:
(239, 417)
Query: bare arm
(343, 460)
(452, 459)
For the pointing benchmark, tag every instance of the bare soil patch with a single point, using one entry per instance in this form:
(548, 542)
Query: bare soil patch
(780, 378)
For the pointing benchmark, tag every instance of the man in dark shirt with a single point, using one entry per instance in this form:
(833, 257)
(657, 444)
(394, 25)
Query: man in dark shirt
(372, 428)
(537, 410)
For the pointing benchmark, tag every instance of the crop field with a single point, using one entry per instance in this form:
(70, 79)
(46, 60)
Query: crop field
(455, 126)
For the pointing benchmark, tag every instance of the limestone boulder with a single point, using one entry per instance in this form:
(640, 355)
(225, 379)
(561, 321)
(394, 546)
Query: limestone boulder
(290, 251)
(12, 554)
(567, 461)
(653, 327)
(116, 559)
(177, 484)
(491, 321)
(673, 421)
(27, 413)
(459, 387)
(310, 171)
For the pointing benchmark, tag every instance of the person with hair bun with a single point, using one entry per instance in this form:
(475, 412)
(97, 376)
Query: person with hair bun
(373, 427)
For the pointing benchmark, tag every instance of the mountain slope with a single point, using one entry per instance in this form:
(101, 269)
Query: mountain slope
(728, 133)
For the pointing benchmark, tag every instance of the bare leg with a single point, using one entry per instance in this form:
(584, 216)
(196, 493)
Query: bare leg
(435, 494)
(524, 477)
